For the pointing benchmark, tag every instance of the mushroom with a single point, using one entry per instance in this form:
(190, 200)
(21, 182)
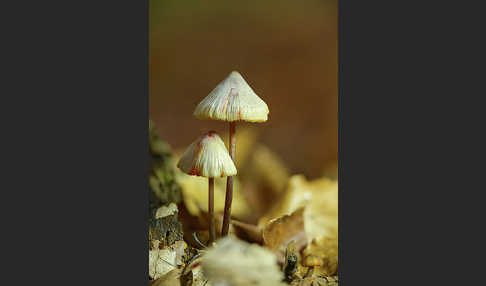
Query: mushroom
(232, 100)
(208, 157)
(312, 261)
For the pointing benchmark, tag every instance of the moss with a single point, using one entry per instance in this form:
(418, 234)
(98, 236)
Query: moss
(163, 190)
(161, 180)
(167, 229)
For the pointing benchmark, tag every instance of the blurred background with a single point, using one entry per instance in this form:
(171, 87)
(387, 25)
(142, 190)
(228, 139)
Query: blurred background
(285, 50)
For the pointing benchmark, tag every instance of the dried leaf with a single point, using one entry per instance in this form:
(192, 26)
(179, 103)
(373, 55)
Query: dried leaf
(161, 261)
(320, 198)
(169, 279)
(327, 249)
(164, 211)
(278, 233)
(247, 231)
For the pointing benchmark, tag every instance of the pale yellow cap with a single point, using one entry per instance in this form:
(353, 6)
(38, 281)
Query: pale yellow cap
(207, 157)
(232, 100)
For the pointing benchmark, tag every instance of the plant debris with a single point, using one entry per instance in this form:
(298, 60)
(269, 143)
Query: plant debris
(161, 178)
(284, 228)
(162, 261)
(279, 232)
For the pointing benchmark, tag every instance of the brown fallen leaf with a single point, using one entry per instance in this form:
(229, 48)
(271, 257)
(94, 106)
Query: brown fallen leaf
(249, 232)
(278, 233)
(327, 249)
(320, 199)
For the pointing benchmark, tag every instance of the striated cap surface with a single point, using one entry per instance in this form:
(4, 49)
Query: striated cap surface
(207, 157)
(232, 100)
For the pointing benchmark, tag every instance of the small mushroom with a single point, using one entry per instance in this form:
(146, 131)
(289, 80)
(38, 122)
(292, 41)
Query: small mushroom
(208, 157)
(312, 261)
(232, 100)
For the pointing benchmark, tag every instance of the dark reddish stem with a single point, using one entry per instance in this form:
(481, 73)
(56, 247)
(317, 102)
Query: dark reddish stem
(229, 182)
(212, 230)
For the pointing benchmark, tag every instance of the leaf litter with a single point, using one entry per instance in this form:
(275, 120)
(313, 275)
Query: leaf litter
(284, 219)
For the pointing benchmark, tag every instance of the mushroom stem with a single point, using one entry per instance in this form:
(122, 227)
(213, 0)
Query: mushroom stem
(229, 181)
(212, 230)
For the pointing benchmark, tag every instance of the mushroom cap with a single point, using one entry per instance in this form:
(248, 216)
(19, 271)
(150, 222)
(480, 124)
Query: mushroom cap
(232, 100)
(207, 157)
(312, 260)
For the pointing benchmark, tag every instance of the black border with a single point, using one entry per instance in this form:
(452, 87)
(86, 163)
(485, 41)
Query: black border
(76, 146)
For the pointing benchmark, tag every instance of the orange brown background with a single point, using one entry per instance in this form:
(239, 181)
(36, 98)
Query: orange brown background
(285, 50)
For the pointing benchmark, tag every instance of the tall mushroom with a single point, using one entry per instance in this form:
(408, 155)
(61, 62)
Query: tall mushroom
(232, 100)
(208, 157)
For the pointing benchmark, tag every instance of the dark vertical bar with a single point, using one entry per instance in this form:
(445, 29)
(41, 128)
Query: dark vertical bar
(229, 182)
(212, 230)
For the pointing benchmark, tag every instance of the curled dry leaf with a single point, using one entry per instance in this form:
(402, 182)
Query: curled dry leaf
(321, 215)
(162, 261)
(278, 233)
(249, 232)
(320, 198)
(164, 211)
(238, 263)
(325, 248)
(169, 279)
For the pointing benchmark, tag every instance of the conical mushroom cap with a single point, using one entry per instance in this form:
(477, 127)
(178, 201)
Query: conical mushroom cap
(207, 157)
(232, 100)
